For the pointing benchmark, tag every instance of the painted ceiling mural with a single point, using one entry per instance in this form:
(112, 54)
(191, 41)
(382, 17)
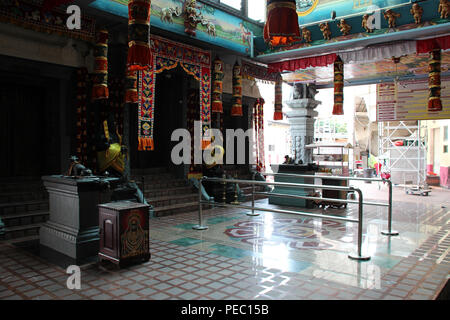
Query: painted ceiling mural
(219, 27)
(310, 11)
(409, 66)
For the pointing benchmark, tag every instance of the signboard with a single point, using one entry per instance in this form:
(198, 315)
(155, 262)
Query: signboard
(311, 11)
(408, 100)
(222, 29)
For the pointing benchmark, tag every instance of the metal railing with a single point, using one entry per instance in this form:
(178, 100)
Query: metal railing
(356, 256)
(388, 232)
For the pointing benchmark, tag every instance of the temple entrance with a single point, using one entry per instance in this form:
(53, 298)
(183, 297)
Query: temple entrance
(27, 145)
(171, 99)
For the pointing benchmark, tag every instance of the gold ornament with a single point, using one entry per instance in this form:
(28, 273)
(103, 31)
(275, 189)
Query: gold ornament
(417, 12)
(325, 28)
(344, 27)
(306, 34)
(391, 16)
(444, 8)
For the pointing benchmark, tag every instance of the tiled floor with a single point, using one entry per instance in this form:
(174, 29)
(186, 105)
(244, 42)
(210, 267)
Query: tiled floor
(271, 256)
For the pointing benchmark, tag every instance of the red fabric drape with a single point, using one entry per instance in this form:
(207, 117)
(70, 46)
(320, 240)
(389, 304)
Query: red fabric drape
(425, 46)
(303, 63)
(281, 27)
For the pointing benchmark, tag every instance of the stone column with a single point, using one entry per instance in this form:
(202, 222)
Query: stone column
(301, 116)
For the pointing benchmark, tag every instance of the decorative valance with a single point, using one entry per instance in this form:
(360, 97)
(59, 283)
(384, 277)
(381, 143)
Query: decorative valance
(256, 71)
(168, 55)
(428, 45)
(303, 63)
(379, 52)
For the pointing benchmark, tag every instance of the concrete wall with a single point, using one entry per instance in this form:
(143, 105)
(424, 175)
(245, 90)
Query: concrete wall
(444, 157)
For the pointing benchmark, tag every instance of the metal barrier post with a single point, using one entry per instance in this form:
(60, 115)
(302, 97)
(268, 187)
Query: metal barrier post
(358, 255)
(253, 214)
(389, 231)
(200, 225)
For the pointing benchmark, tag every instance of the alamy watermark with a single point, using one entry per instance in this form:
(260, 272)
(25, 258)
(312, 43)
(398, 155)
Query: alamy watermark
(74, 280)
(74, 20)
(214, 153)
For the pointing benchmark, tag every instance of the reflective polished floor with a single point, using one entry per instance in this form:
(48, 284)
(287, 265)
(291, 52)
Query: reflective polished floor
(270, 256)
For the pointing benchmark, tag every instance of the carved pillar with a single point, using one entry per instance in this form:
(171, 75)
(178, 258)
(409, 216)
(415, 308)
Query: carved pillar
(301, 116)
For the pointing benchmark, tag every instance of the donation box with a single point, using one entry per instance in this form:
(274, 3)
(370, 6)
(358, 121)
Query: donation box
(124, 232)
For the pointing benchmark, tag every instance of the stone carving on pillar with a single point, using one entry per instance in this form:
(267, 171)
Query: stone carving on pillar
(301, 116)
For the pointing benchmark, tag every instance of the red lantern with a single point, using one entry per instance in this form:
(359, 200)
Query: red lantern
(139, 53)
(281, 27)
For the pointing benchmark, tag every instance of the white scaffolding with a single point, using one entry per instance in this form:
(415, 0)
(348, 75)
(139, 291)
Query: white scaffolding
(407, 162)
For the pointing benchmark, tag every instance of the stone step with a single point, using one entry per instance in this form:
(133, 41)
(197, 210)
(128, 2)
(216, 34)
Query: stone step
(153, 177)
(22, 196)
(32, 186)
(25, 218)
(148, 171)
(172, 199)
(169, 191)
(23, 206)
(165, 184)
(21, 231)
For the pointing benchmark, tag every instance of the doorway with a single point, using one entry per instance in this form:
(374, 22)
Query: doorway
(22, 128)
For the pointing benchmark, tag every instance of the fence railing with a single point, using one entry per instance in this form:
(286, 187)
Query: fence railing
(354, 255)
(388, 232)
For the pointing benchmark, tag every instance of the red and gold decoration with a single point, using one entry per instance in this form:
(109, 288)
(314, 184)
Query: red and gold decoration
(168, 55)
(434, 81)
(303, 63)
(258, 125)
(217, 86)
(338, 108)
(236, 108)
(278, 114)
(139, 53)
(30, 14)
(281, 27)
(131, 94)
(100, 76)
(425, 46)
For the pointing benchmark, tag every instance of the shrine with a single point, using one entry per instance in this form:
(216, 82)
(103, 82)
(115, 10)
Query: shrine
(181, 149)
